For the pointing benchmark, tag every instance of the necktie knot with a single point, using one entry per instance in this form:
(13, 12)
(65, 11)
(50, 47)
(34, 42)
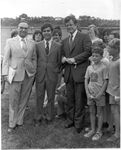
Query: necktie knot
(71, 37)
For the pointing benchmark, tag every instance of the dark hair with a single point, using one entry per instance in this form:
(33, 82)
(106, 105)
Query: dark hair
(46, 26)
(97, 50)
(57, 29)
(14, 33)
(115, 43)
(37, 32)
(98, 43)
(71, 17)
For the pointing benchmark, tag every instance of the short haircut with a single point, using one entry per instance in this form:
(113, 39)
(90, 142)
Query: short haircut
(46, 25)
(115, 43)
(37, 32)
(14, 33)
(94, 28)
(97, 50)
(71, 17)
(57, 29)
(98, 43)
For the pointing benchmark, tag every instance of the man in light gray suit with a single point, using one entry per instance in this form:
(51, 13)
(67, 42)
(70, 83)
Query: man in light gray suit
(19, 55)
(48, 62)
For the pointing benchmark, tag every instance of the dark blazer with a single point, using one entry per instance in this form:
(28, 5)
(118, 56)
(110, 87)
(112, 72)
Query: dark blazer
(50, 63)
(81, 50)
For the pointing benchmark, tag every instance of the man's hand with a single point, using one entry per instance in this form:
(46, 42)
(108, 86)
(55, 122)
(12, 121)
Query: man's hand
(71, 60)
(98, 96)
(64, 59)
(5, 77)
(117, 98)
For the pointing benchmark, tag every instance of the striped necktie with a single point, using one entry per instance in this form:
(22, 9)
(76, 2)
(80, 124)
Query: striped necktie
(71, 41)
(47, 48)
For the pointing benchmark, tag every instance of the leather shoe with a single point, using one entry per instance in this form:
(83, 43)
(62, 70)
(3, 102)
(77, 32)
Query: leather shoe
(37, 122)
(69, 125)
(11, 129)
(78, 130)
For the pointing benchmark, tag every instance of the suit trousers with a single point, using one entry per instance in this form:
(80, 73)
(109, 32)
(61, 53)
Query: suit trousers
(19, 94)
(76, 101)
(41, 87)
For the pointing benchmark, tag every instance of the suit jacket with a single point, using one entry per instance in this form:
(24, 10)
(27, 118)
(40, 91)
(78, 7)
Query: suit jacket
(80, 50)
(18, 59)
(48, 64)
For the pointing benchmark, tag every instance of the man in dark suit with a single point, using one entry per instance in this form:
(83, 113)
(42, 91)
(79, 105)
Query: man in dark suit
(76, 50)
(48, 62)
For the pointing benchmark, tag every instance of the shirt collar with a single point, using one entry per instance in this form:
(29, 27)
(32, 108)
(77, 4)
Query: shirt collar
(50, 42)
(21, 38)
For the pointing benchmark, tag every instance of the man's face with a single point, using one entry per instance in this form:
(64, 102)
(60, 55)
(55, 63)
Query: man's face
(71, 27)
(47, 33)
(23, 29)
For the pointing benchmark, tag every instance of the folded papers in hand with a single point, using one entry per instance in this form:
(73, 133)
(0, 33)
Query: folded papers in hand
(11, 74)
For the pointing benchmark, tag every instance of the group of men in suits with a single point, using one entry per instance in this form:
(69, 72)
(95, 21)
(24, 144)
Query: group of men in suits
(44, 61)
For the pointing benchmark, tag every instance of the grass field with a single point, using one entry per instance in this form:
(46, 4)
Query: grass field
(45, 136)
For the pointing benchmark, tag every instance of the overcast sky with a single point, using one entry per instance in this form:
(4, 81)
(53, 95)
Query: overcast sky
(107, 9)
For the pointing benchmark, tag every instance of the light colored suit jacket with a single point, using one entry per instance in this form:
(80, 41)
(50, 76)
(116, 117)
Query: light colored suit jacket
(18, 59)
(48, 64)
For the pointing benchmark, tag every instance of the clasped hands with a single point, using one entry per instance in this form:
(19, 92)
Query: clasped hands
(68, 60)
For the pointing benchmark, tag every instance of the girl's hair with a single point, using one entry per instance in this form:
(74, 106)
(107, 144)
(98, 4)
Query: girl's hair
(115, 43)
(57, 29)
(36, 32)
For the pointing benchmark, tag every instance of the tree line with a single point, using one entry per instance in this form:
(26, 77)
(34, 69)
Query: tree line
(83, 21)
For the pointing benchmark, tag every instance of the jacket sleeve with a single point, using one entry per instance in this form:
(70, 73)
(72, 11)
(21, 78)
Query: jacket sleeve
(6, 58)
(31, 62)
(86, 45)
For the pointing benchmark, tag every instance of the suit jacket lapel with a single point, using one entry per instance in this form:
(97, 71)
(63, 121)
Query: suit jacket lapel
(52, 47)
(43, 47)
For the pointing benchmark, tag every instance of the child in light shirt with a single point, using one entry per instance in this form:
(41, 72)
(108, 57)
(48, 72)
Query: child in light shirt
(95, 85)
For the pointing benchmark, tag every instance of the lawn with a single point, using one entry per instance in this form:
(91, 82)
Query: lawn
(44, 136)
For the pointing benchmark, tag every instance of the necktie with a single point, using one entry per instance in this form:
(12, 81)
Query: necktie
(71, 41)
(24, 46)
(47, 47)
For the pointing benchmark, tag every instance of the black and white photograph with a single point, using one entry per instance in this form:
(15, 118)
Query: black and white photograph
(60, 74)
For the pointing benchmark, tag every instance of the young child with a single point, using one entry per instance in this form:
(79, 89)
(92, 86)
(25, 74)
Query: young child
(61, 100)
(114, 85)
(95, 85)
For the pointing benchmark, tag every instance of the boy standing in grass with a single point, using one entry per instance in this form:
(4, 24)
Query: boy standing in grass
(95, 85)
(114, 85)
